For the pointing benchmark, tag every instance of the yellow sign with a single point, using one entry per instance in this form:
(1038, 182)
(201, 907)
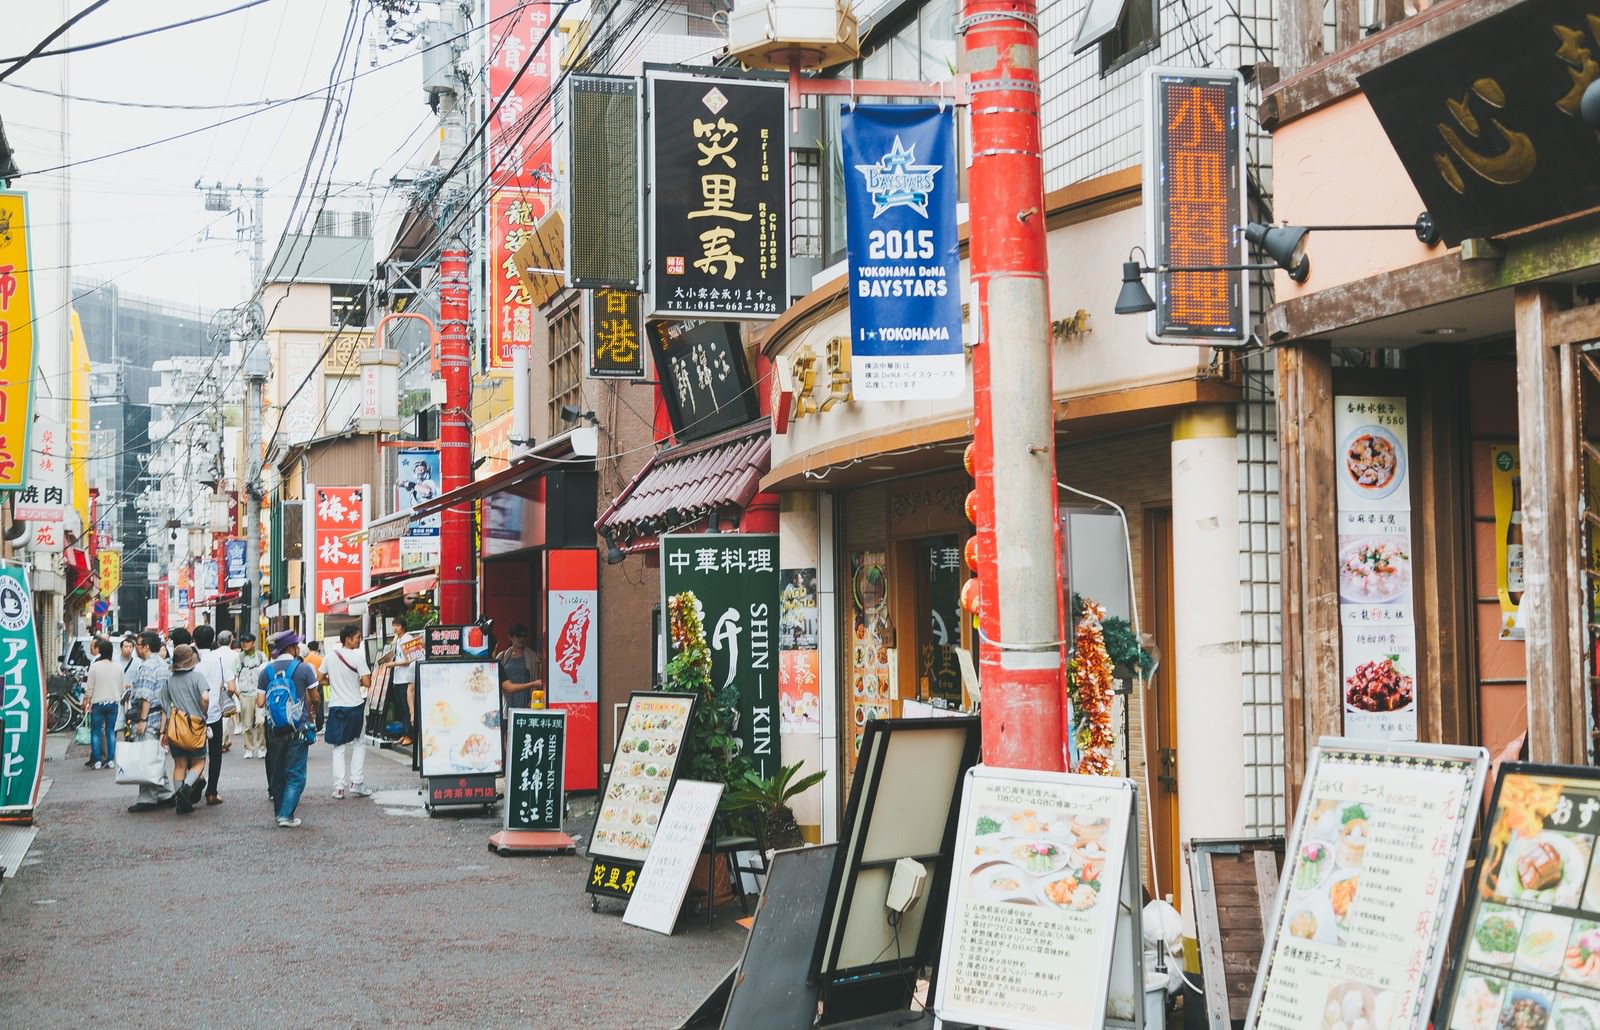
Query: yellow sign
(78, 422)
(110, 572)
(16, 340)
(1505, 472)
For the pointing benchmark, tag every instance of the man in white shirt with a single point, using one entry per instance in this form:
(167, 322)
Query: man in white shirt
(403, 678)
(230, 671)
(347, 679)
(220, 684)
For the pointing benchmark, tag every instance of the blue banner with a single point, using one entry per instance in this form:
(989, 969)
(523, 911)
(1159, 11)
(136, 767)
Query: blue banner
(22, 704)
(238, 574)
(901, 184)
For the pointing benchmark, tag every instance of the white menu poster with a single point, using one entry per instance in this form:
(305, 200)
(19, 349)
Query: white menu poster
(1373, 869)
(1031, 924)
(658, 895)
(1376, 610)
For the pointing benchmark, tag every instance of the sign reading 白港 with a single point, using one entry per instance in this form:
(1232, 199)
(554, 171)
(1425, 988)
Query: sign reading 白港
(901, 181)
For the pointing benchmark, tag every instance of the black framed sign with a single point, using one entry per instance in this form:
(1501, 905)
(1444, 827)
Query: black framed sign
(719, 245)
(616, 335)
(536, 789)
(705, 378)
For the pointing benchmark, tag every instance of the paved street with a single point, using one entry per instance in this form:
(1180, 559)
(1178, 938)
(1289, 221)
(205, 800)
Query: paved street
(368, 915)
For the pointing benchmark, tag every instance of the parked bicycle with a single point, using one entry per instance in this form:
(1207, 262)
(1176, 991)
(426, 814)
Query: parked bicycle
(63, 702)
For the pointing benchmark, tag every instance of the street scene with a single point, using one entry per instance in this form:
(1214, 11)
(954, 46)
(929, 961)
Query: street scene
(801, 513)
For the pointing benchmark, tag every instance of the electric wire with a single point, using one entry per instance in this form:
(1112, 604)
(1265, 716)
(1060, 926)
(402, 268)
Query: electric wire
(80, 47)
(58, 32)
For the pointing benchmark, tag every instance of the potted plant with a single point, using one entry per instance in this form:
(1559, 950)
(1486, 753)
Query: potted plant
(767, 802)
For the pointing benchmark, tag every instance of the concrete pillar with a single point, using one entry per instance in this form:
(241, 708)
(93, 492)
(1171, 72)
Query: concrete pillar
(1205, 563)
(798, 522)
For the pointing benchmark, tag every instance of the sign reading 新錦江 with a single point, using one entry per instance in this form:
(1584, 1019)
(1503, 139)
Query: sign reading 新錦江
(535, 784)
(21, 699)
(901, 181)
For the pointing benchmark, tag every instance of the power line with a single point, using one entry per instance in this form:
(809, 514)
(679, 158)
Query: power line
(143, 105)
(77, 48)
(59, 31)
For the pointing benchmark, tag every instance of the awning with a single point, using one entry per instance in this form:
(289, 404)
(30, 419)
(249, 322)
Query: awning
(678, 488)
(414, 585)
(575, 447)
(77, 560)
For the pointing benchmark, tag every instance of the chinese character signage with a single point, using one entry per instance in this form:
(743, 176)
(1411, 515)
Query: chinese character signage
(1377, 612)
(1369, 885)
(16, 340)
(573, 676)
(43, 498)
(616, 335)
(451, 642)
(22, 706)
(1486, 119)
(642, 772)
(658, 896)
(110, 572)
(705, 379)
(1527, 951)
(719, 245)
(603, 116)
(800, 664)
(519, 137)
(734, 576)
(512, 223)
(338, 560)
(535, 781)
(1195, 179)
(901, 183)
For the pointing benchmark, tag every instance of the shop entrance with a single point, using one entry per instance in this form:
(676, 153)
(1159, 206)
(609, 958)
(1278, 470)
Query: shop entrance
(1161, 708)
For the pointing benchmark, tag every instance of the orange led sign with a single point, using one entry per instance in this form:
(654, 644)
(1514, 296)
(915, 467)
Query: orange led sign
(1195, 188)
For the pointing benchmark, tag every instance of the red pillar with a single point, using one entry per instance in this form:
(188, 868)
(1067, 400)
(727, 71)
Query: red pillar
(455, 446)
(1013, 457)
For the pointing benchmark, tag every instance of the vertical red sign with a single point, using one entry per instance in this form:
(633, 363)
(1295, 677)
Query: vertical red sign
(339, 568)
(521, 175)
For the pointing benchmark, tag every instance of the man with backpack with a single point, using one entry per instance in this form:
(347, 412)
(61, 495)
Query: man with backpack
(286, 696)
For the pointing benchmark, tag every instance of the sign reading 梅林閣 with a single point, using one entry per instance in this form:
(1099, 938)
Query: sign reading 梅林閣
(21, 699)
(734, 576)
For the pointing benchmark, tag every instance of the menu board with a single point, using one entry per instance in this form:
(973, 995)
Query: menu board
(1528, 948)
(1031, 925)
(658, 894)
(1376, 609)
(458, 708)
(535, 786)
(1374, 868)
(648, 749)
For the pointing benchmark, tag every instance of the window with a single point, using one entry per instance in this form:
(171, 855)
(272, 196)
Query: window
(1124, 30)
(805, 203)
(348, 304)
(566, 365)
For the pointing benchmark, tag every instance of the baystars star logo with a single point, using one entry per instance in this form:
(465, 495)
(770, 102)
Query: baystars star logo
(898, 181)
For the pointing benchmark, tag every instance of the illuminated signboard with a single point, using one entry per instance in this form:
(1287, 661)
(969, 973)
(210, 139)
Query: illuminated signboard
(1195, 190)
(603, 194)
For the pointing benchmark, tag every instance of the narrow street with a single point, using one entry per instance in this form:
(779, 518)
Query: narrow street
(370, 914)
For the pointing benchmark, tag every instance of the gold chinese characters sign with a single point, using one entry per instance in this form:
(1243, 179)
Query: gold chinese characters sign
(16, 340)
(616, 335)
(1487, 123)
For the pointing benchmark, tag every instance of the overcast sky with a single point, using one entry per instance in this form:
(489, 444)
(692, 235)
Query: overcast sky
(137, 218)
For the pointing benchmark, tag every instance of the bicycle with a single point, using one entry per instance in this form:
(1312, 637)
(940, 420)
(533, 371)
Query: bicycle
(63, 703)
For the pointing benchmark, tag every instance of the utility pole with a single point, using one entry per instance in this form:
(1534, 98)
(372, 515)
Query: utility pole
(1014, 453)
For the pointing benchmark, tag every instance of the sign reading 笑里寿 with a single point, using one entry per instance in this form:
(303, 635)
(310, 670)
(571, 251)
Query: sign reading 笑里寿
(734, 576)
(901, 181)
(21, 699)
(719, 238)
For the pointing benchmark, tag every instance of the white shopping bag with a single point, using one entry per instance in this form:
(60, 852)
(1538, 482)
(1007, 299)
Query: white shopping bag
(142, 762)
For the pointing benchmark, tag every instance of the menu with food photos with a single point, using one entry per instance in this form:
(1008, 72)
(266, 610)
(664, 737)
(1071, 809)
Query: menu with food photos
(458, 706)
(636, 791)
(1372, 873)
(1376, 609)
(1527, 953)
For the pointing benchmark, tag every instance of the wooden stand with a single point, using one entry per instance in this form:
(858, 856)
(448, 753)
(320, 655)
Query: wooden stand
(531, 842)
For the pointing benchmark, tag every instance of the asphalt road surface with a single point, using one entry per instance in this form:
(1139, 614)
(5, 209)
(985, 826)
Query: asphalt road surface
(370, 914)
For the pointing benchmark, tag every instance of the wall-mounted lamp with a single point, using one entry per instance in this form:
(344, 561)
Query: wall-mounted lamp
(1134, 299)
(570, 414)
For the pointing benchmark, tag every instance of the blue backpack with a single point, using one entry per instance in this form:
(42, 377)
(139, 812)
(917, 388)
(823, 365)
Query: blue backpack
(286, 706)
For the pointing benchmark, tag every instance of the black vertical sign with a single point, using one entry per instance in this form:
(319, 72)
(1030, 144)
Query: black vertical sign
(603, 184)
(734, 576)
(719, 211)
(535, 788)
(705, 379)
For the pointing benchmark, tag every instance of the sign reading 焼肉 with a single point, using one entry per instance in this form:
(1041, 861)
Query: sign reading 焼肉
(1527, 951)
(734, 577)
(649, 746)
(658, 894)
(1374, 865)
(16, 335)
(1376, 612)
(720, 233)
(21, 699)
(901, 181)
(535, 778)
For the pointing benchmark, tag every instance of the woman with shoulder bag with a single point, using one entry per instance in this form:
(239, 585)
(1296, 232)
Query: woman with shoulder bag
(186, 696)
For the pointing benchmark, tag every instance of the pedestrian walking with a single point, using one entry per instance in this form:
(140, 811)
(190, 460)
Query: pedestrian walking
(313, 657)
(348, 681)
(286, 690)
(145, 713)
(230, 671)
(100, 698)
(246, 674)
(222, 698)
(184, 697)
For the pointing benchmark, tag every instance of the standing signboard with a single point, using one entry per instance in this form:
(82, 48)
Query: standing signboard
(901, 182)
(1041, 928)
(1375, 861)
(458, 712)
(658, 894)
(535, 786)
(642, 772)
(1527, 951)
(1376, 614)
(22, 703)
(719, 240)
(16, 329)
(734, 576)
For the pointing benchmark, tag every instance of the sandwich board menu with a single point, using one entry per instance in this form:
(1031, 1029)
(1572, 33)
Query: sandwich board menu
(1042, 922)
(1374, 868)
(658, 894)
(1527, 952)
(536, 791)
(641, 777)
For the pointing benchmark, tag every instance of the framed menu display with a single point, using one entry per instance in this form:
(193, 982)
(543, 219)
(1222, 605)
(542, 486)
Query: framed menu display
(1042, 924)
(642, 774)
(658, 894)
(1375, 861)
(458, 708)
(1527, 951)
